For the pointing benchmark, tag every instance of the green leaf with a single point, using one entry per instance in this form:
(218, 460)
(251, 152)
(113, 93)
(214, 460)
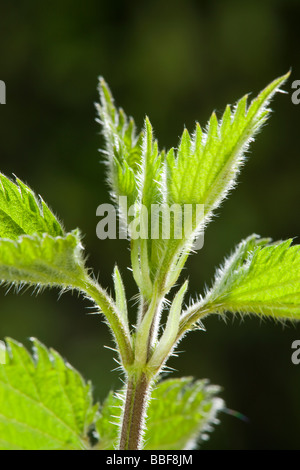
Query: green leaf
(259, 278)
(108, 422)
(168, 337)
(149, 182)
(45, 403)
(180, 415)
(21, 212)
(121, 302)
(34, 248)
(205, 166)
(123, 146)
(42, 260)
(200, 173)
(149, 194)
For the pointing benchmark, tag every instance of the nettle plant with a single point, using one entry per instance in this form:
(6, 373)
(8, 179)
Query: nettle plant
(45, 403)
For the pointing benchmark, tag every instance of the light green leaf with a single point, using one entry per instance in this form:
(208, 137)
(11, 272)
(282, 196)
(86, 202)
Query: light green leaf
(109, 422)
(149, 181)
(42, 260)
(45, 403)
(167, 340)
(200, 173)
(34, 248)
(135, 171)
(206, 164)
(262, 279)
(121, 302)
(149, 194)
(204, 169)
(21, 212)
(123, 146)
(180, 415)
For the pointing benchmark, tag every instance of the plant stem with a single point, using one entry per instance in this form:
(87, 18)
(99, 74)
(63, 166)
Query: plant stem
(119, 328)
(134, 412)
(191, 316)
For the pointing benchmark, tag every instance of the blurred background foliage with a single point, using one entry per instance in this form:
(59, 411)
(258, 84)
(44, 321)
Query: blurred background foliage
(176, 62)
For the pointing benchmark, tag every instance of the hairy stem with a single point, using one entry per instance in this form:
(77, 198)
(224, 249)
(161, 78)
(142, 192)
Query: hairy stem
(134, 412)
(190, 317)
(119, 328)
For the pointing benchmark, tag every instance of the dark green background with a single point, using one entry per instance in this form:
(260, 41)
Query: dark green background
(176, 62)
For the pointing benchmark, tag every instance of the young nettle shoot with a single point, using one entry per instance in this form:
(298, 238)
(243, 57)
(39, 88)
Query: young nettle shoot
(164, 200)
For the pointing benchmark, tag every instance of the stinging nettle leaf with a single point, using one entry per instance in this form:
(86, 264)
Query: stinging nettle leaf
(120, 294)
(108, 422)
(21, 212)
(34, 248)
(181, 414)
(168, 338)
(205, 166)
(199, 173)
(45, 403)
(42, 260)
(149, 178)
(149, 183)
(259, 278)
(123, 146)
